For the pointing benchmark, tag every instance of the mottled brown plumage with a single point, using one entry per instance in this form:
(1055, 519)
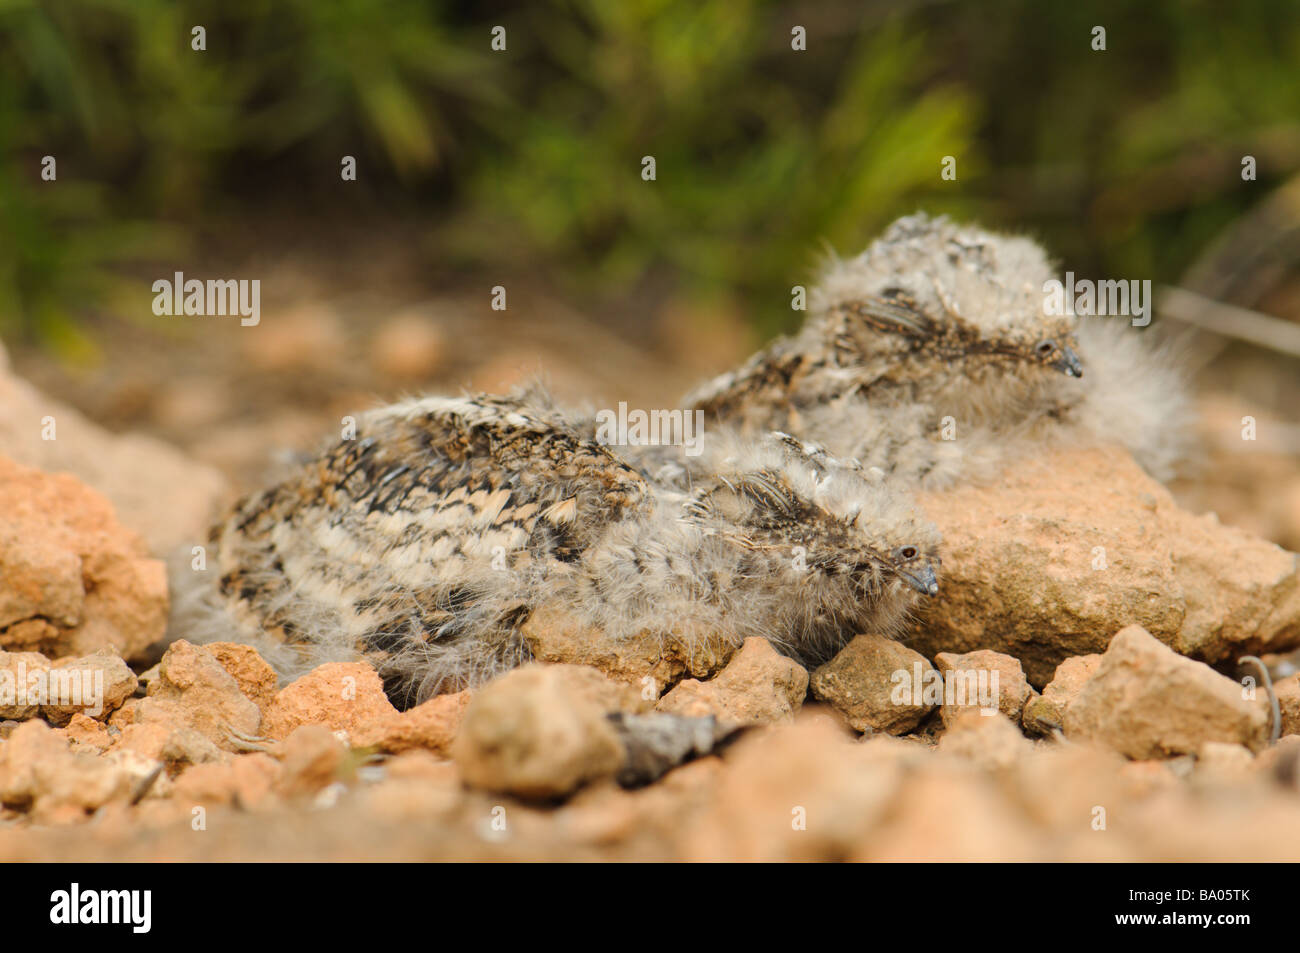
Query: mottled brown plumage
(932, 357)
(425, 542)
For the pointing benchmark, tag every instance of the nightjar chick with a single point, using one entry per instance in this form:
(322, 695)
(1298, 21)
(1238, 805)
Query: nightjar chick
(424, 543)
(932, 356)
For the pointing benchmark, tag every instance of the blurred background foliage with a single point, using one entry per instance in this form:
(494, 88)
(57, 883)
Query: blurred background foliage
(1126, 162)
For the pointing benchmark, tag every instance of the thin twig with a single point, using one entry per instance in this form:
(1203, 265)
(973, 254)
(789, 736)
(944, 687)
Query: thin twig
(1229, 320)
(1272, 695)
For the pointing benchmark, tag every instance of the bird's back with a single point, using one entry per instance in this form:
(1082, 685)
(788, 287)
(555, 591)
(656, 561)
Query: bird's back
(436, 521)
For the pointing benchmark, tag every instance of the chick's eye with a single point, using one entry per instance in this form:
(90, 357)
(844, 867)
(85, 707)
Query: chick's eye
(908, 552)
(1046, 347)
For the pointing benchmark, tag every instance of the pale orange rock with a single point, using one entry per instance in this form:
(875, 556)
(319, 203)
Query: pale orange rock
(1143, 778)
(878, 684)
(416, 787)
(73, 580)
(154, 489)
(1064, 550)
(794, 792)
(972, 672)
(147, 740)
(534, 734)
(252, 673)
(125, 715)
(343, 696)
(990, 741)
(759, 685)
(246, 781)
(1147, 701)
(1057, 786)
(1220, 763)
(951, 811)
(311, 758)
(85, 732)
(1045, 713)
(94, 685)
(40, 771)
(431, 725)
(16, 672)
(194, 692)
(1288, 702)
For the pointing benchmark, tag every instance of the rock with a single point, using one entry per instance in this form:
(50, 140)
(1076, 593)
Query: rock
(125, 715)
(1281, 762)
(16, 671)
(1045, 713)
(990, 741)
(343, 696)
(1143, 778)
(972, 677)
(416, 787)
(1058, 786)
(532, 734)
(194, 692)
(877, 684)
(85, 732)
(246, 781)
(1288, 703)
(154, 489)
(950, 811)
(408, 347)
(1147, 701)
(21, 756)
(95, 685)
(38, 771)
(759, 685)
(607, 694)
(311, 756)
(1217, 762)
(1019, 577)
(150, 740)
(73, 580)
(798, 792)
(1254, 485)
(431, 725)
(554, 635)
(252, 673)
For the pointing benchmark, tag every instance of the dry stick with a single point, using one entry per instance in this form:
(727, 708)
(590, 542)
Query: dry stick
(1229, 320)
(1272, 695)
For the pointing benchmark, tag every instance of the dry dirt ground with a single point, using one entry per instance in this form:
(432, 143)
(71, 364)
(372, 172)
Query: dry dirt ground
(1120, 728)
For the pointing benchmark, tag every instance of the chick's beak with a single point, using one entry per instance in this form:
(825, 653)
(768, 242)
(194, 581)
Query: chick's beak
(1069, 364)
(921, 579)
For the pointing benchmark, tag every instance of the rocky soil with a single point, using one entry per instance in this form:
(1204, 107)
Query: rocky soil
(1074, 693)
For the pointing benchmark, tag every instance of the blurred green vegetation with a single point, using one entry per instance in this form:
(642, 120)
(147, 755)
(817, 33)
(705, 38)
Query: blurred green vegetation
(1126, 160)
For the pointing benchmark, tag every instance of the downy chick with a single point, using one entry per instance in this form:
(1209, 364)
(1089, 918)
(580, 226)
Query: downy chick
(931, 356)
(424, 544)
